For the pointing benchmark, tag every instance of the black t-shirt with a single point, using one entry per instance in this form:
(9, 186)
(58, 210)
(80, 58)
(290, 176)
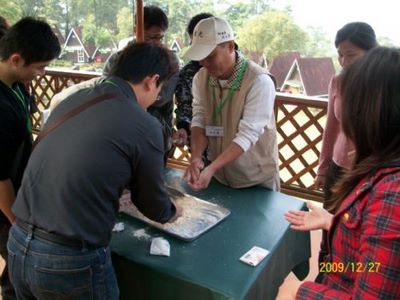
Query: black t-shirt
(15, 136)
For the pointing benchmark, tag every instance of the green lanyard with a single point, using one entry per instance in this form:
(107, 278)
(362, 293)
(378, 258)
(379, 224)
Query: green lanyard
(20, 96)
(111, 82)
(232, 89)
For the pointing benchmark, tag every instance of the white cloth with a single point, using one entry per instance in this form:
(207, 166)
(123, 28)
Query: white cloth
(160, 246)
(258, 112)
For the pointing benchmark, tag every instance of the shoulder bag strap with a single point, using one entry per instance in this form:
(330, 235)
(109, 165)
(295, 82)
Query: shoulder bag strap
(70, 114)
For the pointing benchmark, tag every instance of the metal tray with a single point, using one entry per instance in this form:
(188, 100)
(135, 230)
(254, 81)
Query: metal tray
(198, 215)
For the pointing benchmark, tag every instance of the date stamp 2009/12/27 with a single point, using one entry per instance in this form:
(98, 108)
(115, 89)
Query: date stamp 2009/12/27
(340, 267)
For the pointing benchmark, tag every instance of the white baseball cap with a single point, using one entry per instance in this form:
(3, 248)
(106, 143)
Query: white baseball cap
(207, 34)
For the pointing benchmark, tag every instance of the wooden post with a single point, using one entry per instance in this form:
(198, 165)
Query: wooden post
(139, 21)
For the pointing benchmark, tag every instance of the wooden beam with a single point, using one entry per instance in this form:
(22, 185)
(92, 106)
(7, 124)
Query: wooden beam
(139, 21)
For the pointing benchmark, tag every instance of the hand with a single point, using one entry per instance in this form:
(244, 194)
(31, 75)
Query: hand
(319, 182)
(204, 179)
(288, 290)
(192, 173)
(180, 138)
(316, 218)
(178, 213)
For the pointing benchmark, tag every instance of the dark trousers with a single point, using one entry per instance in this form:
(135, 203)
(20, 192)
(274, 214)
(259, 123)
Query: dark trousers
(7, 290)
(333, 174)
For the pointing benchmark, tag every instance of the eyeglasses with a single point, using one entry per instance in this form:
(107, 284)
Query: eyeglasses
(154, 38)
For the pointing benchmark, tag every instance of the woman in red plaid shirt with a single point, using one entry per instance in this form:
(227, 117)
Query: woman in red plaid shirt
(364, 233)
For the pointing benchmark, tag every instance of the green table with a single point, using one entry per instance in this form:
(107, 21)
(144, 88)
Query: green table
(209, 267)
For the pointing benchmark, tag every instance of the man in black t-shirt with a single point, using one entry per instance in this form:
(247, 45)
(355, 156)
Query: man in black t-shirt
(25, 50)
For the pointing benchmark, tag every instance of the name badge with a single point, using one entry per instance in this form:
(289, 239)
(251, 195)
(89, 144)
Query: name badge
(214, 131)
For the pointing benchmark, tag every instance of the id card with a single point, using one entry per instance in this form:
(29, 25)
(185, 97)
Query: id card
(214, 131)
(254, 256)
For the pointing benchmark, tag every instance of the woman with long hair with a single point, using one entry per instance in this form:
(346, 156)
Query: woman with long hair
(364, 232)
(352, 41)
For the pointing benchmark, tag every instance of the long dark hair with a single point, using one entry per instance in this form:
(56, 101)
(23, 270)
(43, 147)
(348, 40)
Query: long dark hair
(370, 92)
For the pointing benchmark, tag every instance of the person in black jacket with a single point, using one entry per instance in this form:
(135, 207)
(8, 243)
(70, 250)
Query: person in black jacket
(25, 50)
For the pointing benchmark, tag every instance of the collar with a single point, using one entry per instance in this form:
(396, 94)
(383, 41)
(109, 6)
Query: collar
(239, 62)
(121, 85)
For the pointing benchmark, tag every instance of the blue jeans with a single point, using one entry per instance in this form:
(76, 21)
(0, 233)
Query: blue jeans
(45, 270)
(7, 290)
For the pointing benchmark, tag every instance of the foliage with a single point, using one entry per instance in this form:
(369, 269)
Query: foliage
(273, 32)
(238, 13)
(124, 23)
(11, 10)
(318, 44)
(258, 27)
(92, 34)
(61, 63)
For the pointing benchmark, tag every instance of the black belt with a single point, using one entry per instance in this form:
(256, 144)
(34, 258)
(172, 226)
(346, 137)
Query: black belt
(43, 235)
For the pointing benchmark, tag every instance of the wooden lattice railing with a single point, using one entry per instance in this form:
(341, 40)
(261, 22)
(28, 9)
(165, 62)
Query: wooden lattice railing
(52, 83)
(300, 122)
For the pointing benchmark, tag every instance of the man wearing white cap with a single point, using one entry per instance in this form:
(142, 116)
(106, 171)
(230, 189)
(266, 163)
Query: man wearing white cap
(232, 113)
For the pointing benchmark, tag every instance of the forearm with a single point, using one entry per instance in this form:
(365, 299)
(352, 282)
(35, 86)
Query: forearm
(7, 198)
(231, 153)
(199, 142)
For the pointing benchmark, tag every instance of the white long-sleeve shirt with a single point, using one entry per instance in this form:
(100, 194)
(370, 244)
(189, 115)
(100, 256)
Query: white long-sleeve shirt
(257, 114)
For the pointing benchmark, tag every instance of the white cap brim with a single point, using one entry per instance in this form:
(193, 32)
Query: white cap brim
(199, 52)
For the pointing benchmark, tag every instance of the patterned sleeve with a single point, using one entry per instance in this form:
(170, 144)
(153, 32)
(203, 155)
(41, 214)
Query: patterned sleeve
(184, 97)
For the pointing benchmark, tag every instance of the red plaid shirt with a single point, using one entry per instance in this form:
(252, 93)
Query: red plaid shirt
(365, 244)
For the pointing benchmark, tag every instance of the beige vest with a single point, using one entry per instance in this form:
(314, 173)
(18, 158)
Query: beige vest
(257, 166)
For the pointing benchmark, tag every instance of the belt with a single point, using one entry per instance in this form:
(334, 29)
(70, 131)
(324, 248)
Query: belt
(41, 234)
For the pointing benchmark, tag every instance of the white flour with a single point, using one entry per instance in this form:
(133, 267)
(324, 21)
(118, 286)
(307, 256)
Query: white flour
(197, 215)
(141, 234)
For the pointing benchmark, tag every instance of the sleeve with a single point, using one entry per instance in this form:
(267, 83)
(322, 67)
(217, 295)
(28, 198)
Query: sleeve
(258, 112)
(164, 115)
(163, 108)
(198, 105)
(331, 131)
(9, 142)
(148, 190)
(379, 251)
(184, 99)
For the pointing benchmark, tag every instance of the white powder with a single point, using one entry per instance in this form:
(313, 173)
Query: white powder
(197, 216)
(141, 234)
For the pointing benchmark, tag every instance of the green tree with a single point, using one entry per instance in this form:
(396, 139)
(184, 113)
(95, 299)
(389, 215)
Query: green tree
(238, 13)
(94, 34)
(124, 23)
(273, 32)
(318, 45)
(10, 10)
(29, 8)
(179, 12)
